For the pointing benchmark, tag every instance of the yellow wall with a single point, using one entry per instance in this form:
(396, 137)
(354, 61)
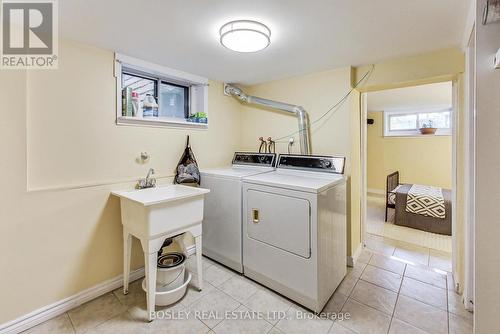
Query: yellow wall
(58, 128)
(421, 160)
(430, 67)
(316, 92)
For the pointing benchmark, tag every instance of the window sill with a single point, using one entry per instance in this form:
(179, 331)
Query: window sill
(417, 135)
(159, 122)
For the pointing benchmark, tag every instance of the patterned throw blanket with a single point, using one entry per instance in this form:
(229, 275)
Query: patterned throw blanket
(426, 201)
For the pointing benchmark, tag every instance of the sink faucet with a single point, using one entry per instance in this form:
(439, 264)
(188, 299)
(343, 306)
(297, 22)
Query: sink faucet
(148, 182)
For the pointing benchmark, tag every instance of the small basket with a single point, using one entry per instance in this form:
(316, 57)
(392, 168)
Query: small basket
(428, 131)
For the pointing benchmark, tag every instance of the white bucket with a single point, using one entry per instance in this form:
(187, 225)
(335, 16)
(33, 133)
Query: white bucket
(164, 298)
(170, 271)
(168, 279)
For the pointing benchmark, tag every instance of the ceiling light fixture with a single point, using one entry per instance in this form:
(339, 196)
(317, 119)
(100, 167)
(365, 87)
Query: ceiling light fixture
(245, 36)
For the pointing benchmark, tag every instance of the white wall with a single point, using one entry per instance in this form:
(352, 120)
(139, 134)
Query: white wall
(487, 222)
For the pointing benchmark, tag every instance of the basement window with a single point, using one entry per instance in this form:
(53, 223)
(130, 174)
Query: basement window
(400, 123)
(153, 95)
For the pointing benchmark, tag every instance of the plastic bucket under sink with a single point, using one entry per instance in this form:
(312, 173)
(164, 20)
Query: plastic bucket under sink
(170, 271)
(164, 298)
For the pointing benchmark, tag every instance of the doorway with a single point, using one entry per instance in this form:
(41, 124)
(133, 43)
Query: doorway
(409, 148)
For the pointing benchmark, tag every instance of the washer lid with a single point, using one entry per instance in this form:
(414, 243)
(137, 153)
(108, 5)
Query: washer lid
(244, 164)
(235, 172)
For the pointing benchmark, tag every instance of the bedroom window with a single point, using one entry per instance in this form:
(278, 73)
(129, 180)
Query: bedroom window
(408, 123)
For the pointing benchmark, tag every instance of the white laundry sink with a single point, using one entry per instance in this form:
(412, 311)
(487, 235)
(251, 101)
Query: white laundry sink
(153, 215)
(153, 211)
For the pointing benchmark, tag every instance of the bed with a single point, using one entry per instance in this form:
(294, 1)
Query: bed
(397, 198)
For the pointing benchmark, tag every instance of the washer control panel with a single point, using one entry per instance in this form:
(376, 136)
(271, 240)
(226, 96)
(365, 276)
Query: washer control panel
(313, 163)
(254, 159)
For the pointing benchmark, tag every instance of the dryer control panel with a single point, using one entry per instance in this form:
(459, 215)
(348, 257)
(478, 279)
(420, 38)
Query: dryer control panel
(254, 159)
(313, 163)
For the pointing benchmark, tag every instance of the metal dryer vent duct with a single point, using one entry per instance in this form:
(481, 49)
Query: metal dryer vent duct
(302, 117)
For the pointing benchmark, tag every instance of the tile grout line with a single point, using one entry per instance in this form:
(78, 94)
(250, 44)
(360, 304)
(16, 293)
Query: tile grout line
(380, 286)
(447, 305)
(348, 296)
(374, 265)
(371, 307)
(242, 303)
(426, 303)
(397, 297)
(357, 280)
(418, 266)
(71, 322)
(416, 263)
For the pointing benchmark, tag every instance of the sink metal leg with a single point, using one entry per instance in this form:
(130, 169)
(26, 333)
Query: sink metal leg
(127, 250)
(199, 266)
(150, 261)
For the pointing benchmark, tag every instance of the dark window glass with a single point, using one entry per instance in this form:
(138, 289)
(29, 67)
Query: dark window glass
(174, 100)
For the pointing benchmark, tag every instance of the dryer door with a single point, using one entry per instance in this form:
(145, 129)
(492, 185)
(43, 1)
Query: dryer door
(280, 221)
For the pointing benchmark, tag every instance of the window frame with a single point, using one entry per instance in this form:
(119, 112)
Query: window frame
(196, 88)
(415, 132)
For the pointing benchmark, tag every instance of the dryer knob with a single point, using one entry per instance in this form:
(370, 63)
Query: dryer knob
(326, 164)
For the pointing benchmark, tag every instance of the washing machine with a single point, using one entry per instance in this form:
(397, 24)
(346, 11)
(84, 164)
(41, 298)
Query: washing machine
(294, 228)
(222, 223)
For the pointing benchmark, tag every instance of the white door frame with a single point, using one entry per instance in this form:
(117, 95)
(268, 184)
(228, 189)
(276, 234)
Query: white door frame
(364, 187)
(454, 135)
(470, 170)
(364, 159)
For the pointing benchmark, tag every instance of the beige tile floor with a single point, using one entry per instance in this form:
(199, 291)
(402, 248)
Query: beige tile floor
(409, 253)
(381, 294)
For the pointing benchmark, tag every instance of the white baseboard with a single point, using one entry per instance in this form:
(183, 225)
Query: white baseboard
(351, 259)
(375, 191)
(53, 310)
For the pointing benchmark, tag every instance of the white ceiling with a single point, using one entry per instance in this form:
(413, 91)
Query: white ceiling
(432, 95)
(307, 36)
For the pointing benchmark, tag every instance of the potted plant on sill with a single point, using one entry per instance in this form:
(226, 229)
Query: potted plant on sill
(428, 129)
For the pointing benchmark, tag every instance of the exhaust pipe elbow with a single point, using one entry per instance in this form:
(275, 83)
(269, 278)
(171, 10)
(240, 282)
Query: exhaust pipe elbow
(301, 112)
(236, 92)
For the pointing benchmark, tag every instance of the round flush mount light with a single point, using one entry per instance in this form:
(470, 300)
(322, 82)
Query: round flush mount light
(245, 36)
